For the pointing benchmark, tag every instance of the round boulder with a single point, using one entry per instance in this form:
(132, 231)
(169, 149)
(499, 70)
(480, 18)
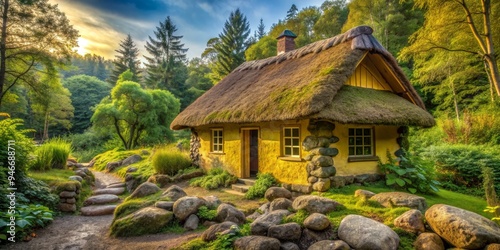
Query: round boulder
(288, 231)
(131, 160)
(254, 242)
(277, 192)
(462, 228)
(145, 189)
(76, 178)
(160, 179)
(212, 201)
(309, 237)
(428, 241)
(192, 222)
(186, 206)
(167, 205)
(211, 233)
(261, 225)
(317, 221)
(363, 233)
(174, 193)
(226, 212)
(400, 199)
(280, 203)
(330, 245)
(145, 221)
(411, 221)
(315, 204)
(364, 194)
(324, 172)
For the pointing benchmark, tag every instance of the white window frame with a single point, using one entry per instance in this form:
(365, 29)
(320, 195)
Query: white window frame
(291, 138)
(217, 141)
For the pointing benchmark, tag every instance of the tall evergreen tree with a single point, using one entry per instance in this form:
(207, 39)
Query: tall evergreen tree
(126, 59)
(233, 41)
(261, 30)
(292, 12)
(167, 55)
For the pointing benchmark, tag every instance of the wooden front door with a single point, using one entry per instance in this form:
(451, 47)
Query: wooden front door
(250, 152)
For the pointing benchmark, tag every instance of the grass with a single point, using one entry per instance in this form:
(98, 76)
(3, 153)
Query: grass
(52, 154)
(263, 182)
(169, 161)
(215, 178)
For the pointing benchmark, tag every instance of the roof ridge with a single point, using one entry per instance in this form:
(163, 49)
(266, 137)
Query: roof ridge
(361, 36)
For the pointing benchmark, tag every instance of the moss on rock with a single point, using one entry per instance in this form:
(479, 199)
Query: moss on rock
(145, 221)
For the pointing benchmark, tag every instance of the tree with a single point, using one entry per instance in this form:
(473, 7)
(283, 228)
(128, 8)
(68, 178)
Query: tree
(302, 25)
(233, 41)
(167, 53)
(393, 21)
(470, 25)
(292, 12)
(34, 35)
(137, 115)
(86, 92)
(89, 64)
(264, 48)
(333, 17)
(261, 30)
(127, 59)
(198, 81)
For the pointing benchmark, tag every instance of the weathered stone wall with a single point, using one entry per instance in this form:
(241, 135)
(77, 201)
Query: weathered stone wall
(194, 151)
(68, 195)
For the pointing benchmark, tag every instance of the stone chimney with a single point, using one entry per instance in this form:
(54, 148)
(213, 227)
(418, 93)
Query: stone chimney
(286, 42)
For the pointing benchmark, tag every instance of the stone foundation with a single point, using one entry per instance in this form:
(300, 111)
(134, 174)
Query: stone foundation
(194, 149)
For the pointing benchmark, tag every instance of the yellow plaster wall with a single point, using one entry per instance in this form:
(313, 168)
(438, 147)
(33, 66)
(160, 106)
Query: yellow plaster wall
(385, 139)
(292, 172)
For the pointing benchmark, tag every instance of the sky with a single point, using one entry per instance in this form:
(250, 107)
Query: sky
(104, 23)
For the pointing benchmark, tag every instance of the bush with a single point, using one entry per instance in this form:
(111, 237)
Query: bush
(409, 174)
(169, 161)
(207, 214)
(52, 154)
(215, 178)
(263, 182)
(27, 219)
(461, 165)
(38, 192)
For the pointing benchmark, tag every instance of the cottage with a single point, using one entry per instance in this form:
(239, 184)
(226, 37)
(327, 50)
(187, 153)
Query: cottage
(310, 116)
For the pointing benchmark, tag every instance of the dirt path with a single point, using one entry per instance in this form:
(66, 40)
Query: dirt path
(75, 232)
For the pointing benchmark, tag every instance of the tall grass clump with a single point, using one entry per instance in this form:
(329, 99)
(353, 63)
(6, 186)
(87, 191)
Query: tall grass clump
(52, 154)
(169, 161)
(215, 178)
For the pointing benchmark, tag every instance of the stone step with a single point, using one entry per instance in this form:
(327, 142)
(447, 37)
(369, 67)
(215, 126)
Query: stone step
(98, 210)
(247, 181)
(101, 199)
(240, 187)
(115, 191)
(116, 185)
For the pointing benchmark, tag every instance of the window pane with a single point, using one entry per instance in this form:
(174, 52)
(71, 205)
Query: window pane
(351, 131)
(288, 142)
(295, 151)
(359, 141)
(288, 132)
(367, 151)
(220, 140)
(295, 132)
(351, 141)
(288, 151)
(220, 133)
(351, 150)
(368, 141)
(359, 131)
(295, 142)
(368, 131)
(359, 150)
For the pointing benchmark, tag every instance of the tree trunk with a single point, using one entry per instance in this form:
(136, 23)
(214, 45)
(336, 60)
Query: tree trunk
(117, 127)
(45, 135)
(3, 48)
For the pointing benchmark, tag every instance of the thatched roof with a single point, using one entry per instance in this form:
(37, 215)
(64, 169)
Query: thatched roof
(308, 82)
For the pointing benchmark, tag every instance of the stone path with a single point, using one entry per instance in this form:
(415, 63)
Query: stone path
(105, 198)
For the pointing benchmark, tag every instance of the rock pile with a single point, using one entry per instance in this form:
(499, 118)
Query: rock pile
(69, 195)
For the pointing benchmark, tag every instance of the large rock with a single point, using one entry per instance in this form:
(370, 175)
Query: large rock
(145, 189)
(322, 185)
(363, 233)
(288, 231)
(187, 206)
(131, 160)
(167, 205)
(254, 242)
(226, 212)
(315, 204)
(324, 172)
(261, 225)
(98, 210)
(145, 221)
(212, 201)
(400, 199)
(280, 203)
(101, 199)
(192, 222)
(411, 221)
(277, 192)
(161, 180)
(330, 245)
(462, 228)
(317, 221)
(309, 237)
(110, 166)
(364, 194)
(428, 241)
(174, 193)
(211, 233)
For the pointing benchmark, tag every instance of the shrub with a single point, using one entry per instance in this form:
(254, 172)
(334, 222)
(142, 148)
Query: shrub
(169, 161)
(27, 219)
(461, 165)
(207, 214)
(215, 178)
(409, 174)
(38, 192)
(52, 154)
(263, 182)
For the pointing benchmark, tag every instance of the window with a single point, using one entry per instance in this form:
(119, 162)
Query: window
(217, 141)
(291, 145)
(361, 142)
